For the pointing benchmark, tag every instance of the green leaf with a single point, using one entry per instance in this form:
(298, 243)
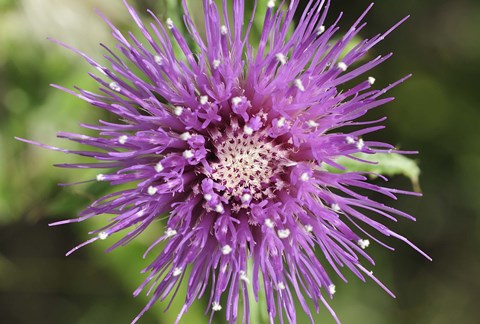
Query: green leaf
(388, 164)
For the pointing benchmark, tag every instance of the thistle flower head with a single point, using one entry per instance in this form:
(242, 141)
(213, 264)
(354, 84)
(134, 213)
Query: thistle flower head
(232, 140)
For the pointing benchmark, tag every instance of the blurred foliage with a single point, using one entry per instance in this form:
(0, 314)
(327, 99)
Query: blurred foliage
(386, 164)
(437, 112)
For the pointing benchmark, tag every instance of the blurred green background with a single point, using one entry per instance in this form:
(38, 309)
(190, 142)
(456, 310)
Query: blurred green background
(436, 112)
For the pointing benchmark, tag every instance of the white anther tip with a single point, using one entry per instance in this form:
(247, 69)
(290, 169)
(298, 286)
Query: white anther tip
(170, 232)
(123, 139)
(320, 30)
(158, 59)
(152, 190)
(281, 122)
(269, 223)
(342, 66)
(332, 289)
(360, 144)
(219, 208)
(216, 307)
(203, 100)
(336, 207)
(304, 177)
(281, 58)
(159, 167)
(216, 64)
(350, 140)
(178, 110)
(223, 30)
(236, 101)
(363, 243)
(312, 123)
(246, 198)
(185, 136)
(226, 249)
(115, 86)
(283, 233)
(188, 154)
(169, 23)
(248, 130)
(102, 235)
(299, 84)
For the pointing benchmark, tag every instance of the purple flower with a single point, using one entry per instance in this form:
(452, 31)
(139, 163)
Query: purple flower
(232, 141)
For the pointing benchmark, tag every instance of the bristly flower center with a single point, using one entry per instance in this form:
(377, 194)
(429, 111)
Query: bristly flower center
(249, 166)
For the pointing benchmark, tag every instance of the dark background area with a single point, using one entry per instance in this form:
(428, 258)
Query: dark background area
(436, 112)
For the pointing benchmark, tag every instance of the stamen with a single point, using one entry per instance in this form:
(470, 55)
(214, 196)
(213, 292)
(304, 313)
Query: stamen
(360, 144)
(216, 64)
(170, 23)
(152, 190)
(170, 232)
(159, 167)
(305, 177)
(320, 30)
(269, 223)
(223, 30)
(244, 277)
(185, 136)
(188, 154)
(336, 207)
(178, 110)
(246, 198)
(219, 208)
(281, 58)
(342, 66)
(203, 100)
(363, 243)
(332, 289)
(312, 123)
(216, 307)
(123, 139)
(102, 235)
(284, 233)
(226, 249)
(115, 86)
(158, 59)
(248, 130)
(298, 83)
(281, 122)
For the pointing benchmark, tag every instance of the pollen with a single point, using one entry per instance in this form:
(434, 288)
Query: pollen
(177, 272)
(226, 249)
(103, 235)
(320, 30)
(159, 167)
(115, 86)
(216, 307)
(248, 163)
(342, 66)
(332, 289)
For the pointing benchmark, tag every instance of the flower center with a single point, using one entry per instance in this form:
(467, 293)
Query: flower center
(249, 166)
